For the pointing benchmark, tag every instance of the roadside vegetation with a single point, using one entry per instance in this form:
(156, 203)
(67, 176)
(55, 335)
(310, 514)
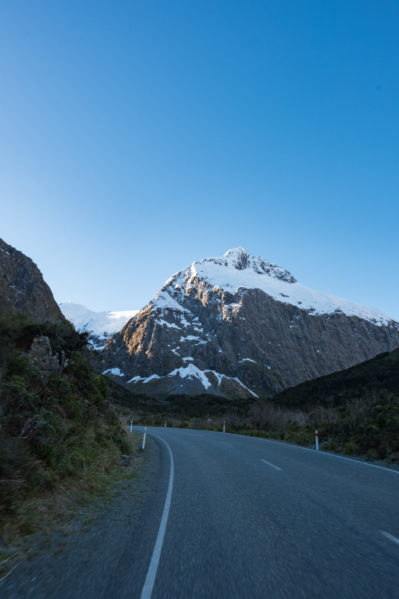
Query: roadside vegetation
(365, 426)
(61, 439)
(356, 410)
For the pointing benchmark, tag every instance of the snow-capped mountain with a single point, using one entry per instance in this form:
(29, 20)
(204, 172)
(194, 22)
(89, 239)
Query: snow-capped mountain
(99, 325)
(240, 326)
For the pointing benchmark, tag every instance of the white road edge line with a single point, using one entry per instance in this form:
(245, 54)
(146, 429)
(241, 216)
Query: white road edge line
(389, 536)
(269, 464)
(319, 453)
(156, 554)
(341, 457)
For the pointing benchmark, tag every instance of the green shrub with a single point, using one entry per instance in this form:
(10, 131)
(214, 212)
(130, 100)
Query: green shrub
(53, 428)
(349, 448)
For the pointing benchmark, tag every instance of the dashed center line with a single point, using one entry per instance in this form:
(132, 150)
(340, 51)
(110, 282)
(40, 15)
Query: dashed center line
(225, 444)
(389, 536)
(269, 464)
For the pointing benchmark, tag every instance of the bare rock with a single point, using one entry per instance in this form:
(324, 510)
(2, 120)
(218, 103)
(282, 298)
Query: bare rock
(42, 356)
(22, 288)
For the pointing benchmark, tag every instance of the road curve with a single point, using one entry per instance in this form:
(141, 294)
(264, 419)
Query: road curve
(252, 518)
(221, 516)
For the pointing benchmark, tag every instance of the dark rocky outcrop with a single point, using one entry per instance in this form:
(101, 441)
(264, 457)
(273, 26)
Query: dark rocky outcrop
(22, 288)
(42, 356)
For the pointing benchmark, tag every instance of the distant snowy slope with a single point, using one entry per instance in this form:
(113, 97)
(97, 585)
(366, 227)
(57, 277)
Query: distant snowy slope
(100, 325)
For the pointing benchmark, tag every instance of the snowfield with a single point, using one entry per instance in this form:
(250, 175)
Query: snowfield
(98, 323)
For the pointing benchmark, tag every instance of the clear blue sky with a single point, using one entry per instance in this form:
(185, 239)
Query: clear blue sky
(139, 136)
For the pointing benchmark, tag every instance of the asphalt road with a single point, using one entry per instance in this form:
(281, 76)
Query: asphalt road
(251, 518)
(227, 516)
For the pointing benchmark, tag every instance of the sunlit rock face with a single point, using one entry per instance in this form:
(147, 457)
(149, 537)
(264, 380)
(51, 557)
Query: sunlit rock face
(239, 326)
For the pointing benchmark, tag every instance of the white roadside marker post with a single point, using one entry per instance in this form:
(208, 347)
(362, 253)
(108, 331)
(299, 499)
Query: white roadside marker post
(224, 426)
(144, 437)
(164, 425)
(316, 438)
(131, 426)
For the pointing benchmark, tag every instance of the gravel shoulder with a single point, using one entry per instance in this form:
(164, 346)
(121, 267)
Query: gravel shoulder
(84, 558)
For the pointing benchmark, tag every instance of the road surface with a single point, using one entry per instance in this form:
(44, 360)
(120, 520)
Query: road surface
(241, 517)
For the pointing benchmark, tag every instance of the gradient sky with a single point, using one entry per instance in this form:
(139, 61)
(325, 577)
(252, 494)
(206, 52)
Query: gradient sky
(138, 136)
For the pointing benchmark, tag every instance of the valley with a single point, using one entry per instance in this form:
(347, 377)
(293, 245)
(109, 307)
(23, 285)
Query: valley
(202, 357)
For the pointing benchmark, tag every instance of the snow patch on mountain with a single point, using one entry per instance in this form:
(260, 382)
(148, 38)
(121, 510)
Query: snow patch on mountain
(144, 379)
(192, 371)
(164, 300)
(114, 371)
(163, 323)
(189, 371)
(220, 378)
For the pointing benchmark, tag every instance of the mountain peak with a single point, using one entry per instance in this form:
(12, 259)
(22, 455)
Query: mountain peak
(237, 250)
(236, 272)
(239, 259)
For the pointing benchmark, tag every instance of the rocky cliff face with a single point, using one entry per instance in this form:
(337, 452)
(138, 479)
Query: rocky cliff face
(240, 326)
(22, 288)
